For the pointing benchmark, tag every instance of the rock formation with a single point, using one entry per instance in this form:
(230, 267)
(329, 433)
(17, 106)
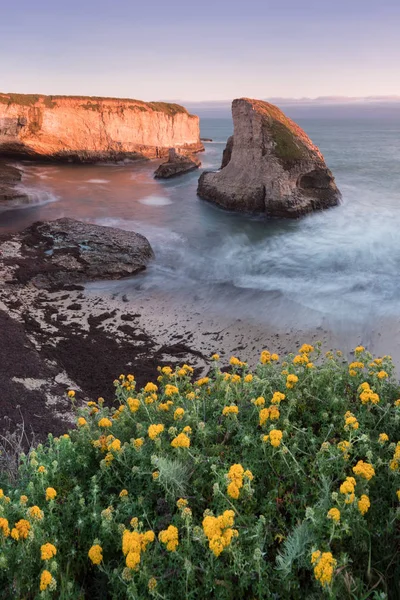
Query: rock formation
(270, 166)
(53, 254)
(9, 179)
(177, 164)
(85, 129)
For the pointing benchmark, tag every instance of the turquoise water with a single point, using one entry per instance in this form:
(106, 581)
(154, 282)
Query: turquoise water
(342, 264)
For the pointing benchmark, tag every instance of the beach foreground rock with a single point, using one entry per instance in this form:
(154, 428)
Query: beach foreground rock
(89, 129)
(177, 164)
(270, 166)
(54, 254)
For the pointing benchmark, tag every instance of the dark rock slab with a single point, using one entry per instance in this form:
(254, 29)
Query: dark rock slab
(177, 164)
(54, 254)
(269, 166)
(9, 179)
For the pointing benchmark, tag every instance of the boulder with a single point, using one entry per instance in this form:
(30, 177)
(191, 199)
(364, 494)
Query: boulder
(269, 166)
(176, 164)
(9, 179)
(53, 254)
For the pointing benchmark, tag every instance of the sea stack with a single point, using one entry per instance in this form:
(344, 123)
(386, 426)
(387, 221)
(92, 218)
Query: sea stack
(177, 164)
(89, 129)
(270, 166)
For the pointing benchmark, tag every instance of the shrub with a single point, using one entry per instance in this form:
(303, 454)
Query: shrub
(280, 483)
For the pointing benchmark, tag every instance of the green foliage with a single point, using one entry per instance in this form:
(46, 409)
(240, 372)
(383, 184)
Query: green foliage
(21, 99)
(226, 488)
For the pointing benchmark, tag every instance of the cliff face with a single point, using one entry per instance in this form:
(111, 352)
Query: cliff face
(269, 166)
(91, 129)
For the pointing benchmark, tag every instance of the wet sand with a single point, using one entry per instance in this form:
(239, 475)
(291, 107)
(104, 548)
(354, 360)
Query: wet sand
(85, 338)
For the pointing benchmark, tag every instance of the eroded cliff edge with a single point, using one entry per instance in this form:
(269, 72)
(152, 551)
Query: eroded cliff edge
(269, 166)
(86, 129)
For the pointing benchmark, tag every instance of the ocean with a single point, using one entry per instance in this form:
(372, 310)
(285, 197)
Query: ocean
(339, 267)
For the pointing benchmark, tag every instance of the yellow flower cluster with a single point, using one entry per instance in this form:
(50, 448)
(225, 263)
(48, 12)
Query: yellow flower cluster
(235, 362)
(301, 359)
(50, 493)
(344, 447)
(47, 551)
(178, 414)
(383, 437)
(363, 504)
(181, 441)
(334, 514)
(324, 567)
(260, 401)
(291, 380)
(133, 404)
(4, 527)
(277, 397)
(155, 430)
(274, 437)
(219, 532)
(150, 387)
(395, 462)
(306, 349)
(138, 443)
(46, 579)
(35, 513)
(382, 375)
(171, 390)
(169, 537)
(202, 381)
(272, 412)
(354, 366)
(104, 422)
(248, 378)
(96, 554)
(133, 544)
(230, 410)
(81, 422)
(350, 421)
(359, 350)
(367, 395)
(235, 477)
(347, 488)
(364, 470)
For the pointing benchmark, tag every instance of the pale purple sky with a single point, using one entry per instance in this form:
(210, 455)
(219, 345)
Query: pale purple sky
(203, 50)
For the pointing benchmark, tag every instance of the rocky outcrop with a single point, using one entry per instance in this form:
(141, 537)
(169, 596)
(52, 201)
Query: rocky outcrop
(53, 254)
(9, 179)
(270, 166)
(86, 129)
(177, 164)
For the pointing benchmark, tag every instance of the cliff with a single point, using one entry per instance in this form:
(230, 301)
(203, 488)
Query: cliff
(270, 166)
(88, 129)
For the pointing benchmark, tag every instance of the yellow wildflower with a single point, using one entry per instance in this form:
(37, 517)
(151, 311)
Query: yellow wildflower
(46, 579)
(178, 414)
(382, 375)
(215, 357)
(133, 404)
(81, 422)
(230, 410)
(41, 469)
(104, 422)
(306, 349)
(35, 513)
(383, 437)
(138, 443)
(275, 357)
(23, 499)
(334, 514)
(260, 401)
(364, 504)
(324, 567)
(123, 493)
(4, 527)
(47, 551)
(265, 357)
(277, 397)
(202, 381)
(291, 380)
(152, 584)
(169, 537)
(364, 470)
(155, 430)
(248, 378)
(96, 554)
(50, 493)
(181, 503)
(170, 390)
(150, 387)
(22, 528)
(359, 350)
(181, 441)
(219, 532)
(71, 394)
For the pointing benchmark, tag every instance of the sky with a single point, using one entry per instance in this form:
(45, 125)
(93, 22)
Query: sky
(204, 50)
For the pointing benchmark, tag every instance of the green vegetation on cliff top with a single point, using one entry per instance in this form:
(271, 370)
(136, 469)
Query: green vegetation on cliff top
(91, 102)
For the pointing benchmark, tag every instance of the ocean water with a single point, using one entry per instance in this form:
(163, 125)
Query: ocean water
(338, 266)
